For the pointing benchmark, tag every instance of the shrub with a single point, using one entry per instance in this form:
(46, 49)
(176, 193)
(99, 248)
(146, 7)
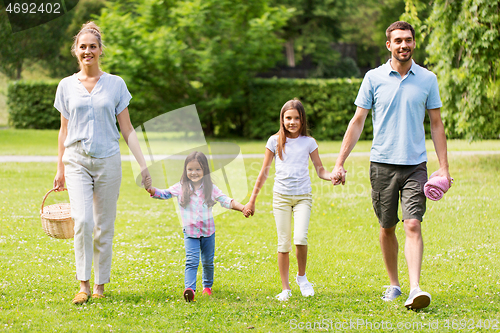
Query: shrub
(31, 105)
(329, 105)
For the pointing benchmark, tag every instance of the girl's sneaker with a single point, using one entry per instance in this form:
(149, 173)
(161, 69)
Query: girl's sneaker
(189, 295)
(284, 295)
(207, 291)
(306, 287)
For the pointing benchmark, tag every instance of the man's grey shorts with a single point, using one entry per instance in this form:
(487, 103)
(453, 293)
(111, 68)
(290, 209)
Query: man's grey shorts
(389, 181)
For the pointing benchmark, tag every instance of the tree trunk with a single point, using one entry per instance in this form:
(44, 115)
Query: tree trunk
(19, 69)
(290, 53)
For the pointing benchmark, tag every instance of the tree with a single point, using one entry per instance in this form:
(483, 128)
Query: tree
(175, 53)
(318, 28)
(464, 48)
(38, 43)
(364, 23)
(310, 32)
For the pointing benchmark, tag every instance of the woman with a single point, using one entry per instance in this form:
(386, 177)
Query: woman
(89, 160)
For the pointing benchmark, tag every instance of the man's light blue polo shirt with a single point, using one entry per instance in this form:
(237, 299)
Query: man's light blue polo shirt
(92, 116)
(399, 107)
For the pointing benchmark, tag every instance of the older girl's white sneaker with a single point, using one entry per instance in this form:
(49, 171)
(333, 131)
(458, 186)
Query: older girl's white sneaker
(284, 295)
(306, 287)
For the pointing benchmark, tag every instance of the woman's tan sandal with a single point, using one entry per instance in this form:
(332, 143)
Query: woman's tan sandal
(81, 298)
(98, 296)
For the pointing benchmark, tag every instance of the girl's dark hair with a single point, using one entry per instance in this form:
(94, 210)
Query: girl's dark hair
(207, 180)
(89, 27)
(283, 132)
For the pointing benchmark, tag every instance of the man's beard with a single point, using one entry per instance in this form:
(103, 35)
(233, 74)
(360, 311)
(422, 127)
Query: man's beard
(401, 59)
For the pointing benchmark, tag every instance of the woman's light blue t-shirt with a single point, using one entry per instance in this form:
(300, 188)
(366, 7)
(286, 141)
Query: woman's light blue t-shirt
(92, 116)
(292, 173)
(399, 106)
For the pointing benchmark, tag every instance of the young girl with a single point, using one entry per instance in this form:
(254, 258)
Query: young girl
(292, 147)
(196, 194)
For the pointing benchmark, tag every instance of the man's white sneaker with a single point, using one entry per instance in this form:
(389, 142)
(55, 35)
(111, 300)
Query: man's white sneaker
(306, 288)
(418, 299)
(284, 295)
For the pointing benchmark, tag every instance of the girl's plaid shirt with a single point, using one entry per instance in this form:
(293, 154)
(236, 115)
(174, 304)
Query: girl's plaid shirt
(197, 217)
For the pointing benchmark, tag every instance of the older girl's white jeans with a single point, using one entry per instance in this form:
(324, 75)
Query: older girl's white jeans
(93, 186)
(286, 206)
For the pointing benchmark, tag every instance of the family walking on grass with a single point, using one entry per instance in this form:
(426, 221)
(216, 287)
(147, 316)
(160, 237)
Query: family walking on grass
(398, 92)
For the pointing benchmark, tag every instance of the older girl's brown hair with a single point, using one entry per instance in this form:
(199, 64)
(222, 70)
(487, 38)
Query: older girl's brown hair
(283, 132)
(187, 190)
(89, 27)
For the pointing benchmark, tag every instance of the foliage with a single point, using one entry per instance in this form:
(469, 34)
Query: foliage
(48, 44)
(31, 105)
(369, 34)
(463, 49)
(176, 53)
(328, 104)
(40, 43)
(416, 13)
(312, 29)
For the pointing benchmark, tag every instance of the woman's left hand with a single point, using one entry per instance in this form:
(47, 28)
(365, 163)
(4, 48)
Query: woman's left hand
(249, 209)
(147, 182)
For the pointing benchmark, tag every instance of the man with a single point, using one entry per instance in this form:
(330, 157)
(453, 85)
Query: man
(398, 92)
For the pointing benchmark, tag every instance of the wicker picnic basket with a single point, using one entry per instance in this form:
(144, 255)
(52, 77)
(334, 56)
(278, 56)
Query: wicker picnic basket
(56, 219)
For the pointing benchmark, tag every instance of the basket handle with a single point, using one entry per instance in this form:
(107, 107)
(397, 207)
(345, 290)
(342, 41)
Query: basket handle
(45, 197)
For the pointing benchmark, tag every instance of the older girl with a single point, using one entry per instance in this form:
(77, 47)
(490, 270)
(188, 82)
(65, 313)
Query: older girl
(291, 147)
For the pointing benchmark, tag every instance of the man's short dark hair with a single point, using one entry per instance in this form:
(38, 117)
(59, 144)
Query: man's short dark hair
(399, 25)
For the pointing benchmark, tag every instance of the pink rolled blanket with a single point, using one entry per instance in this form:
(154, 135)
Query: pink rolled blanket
(436, 187)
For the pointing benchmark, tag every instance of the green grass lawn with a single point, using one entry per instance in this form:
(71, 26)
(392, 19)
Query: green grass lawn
(460, 265)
